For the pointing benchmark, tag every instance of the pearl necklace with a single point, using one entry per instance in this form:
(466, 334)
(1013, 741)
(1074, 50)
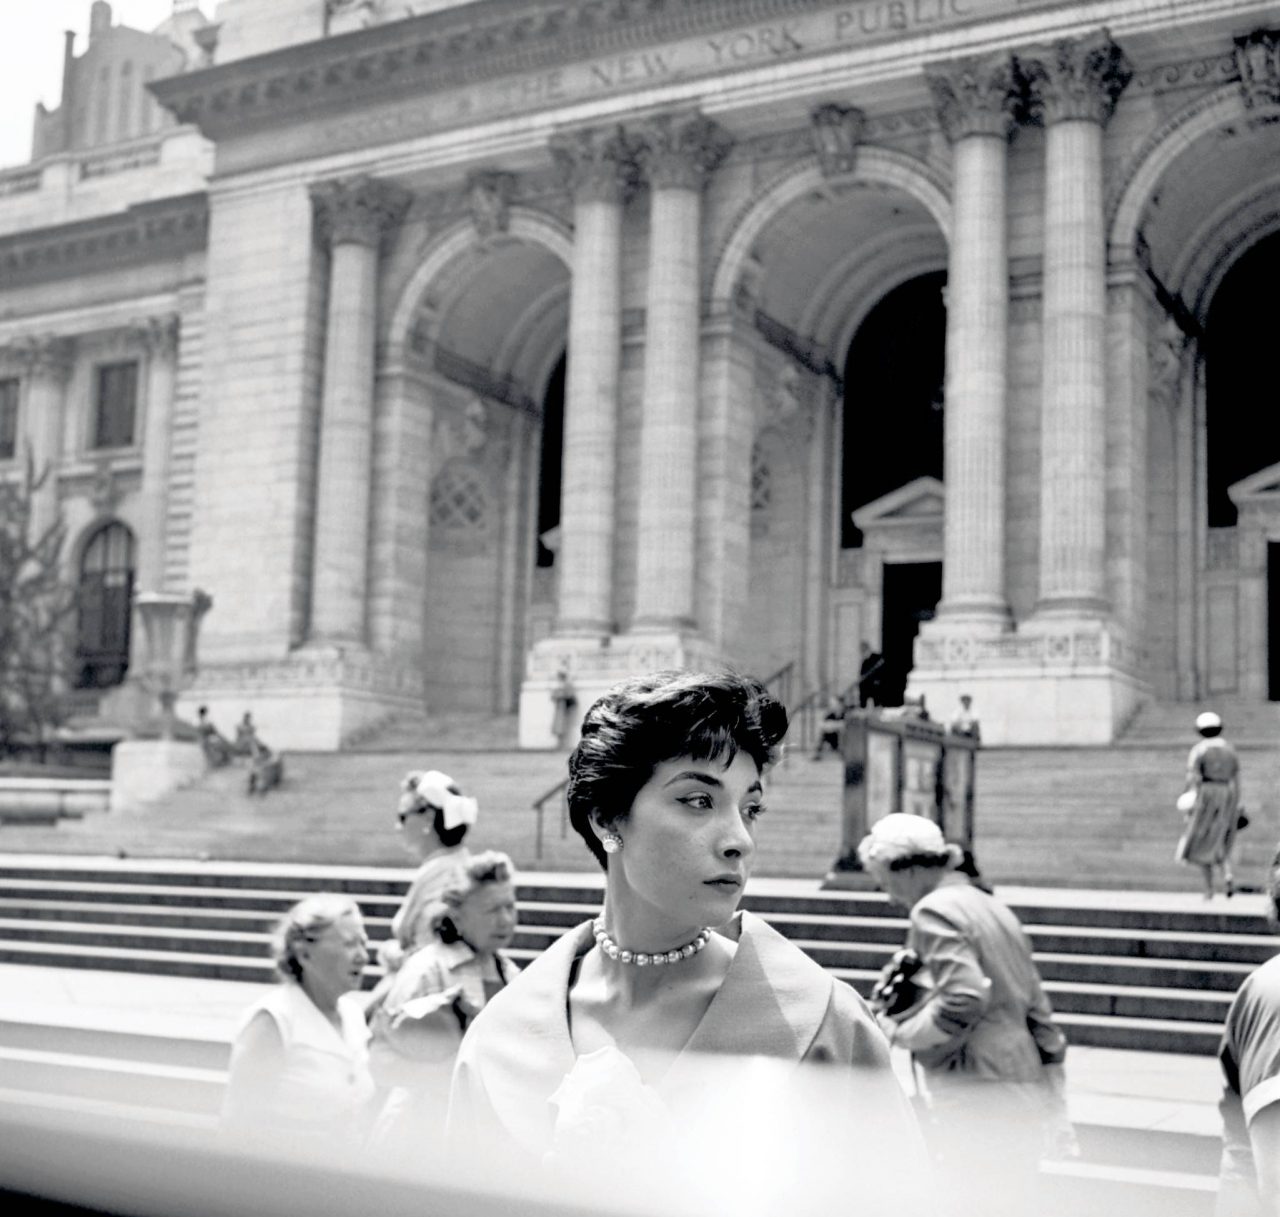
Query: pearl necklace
(642, 959)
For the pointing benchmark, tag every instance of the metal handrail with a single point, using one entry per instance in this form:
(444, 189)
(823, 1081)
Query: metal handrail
(538, 804)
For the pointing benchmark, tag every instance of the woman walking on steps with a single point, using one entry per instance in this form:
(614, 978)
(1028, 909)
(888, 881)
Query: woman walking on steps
(1211, 802)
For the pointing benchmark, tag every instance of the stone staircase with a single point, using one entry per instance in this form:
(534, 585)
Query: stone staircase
(1170, 722)
(1134, 971)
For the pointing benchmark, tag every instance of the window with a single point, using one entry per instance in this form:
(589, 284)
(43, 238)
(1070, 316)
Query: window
(106, 598)
(116, 405)
(8, 419)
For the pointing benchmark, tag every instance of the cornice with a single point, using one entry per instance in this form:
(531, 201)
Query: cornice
(145, 232)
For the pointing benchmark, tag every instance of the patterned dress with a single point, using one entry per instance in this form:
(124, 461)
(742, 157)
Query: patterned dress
(1213, 772)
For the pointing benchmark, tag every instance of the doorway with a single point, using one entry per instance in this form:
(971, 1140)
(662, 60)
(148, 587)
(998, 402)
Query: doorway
(911, 594)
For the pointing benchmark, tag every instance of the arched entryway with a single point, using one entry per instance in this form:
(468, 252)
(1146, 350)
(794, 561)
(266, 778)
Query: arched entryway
(104, 605)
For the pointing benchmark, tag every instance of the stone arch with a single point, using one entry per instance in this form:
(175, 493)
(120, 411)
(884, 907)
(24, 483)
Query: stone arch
(1157, 153)
(882, 166)
(1227, 239)
(455, 242)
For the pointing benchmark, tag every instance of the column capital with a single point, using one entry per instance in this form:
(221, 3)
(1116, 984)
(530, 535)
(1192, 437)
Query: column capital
(1075, 78)
(357, 210)
(1258, 62)
(680, 151)
(44, 356)
(597, 164)
(975, 96)
(836, 131)
(159, 334)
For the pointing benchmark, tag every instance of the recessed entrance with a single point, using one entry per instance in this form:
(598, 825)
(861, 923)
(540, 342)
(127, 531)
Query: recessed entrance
(911, 594)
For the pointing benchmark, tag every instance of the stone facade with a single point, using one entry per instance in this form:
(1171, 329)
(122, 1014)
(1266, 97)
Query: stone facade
(350, 260)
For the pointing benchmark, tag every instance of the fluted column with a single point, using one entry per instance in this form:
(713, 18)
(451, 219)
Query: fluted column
(975, 100)
(160, 336)
(599, 168)
(677, 153)
(46, 362)
(1073, 88)
(352, 216)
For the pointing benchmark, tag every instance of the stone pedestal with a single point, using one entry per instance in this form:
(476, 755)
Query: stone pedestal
(320, 698)
(143, 771)
(594, 665)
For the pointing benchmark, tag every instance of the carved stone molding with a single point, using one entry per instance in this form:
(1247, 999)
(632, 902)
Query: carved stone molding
(836, 131)
(1164, 363)
(159, 335)
(977, 96)
(597, 164)
(1258, 61)
(44, 356)
(1075, 78)
(489, 194)
(749, 291)
(681, 151)
(357, 210)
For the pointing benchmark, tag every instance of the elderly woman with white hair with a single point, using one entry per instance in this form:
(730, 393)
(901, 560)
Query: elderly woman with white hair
(439, 990)
(980, 1029)
(1211, 803)
(300, 1064)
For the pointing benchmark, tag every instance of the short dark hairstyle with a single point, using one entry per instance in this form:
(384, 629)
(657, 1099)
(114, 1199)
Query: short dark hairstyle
(1211, 732)
(448, 837)
(646, 720)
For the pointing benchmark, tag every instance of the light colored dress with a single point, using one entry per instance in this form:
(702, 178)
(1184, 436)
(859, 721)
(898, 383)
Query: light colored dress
(1213, 772)
(1250, 1058)
(523, 1092)
(319, 1099)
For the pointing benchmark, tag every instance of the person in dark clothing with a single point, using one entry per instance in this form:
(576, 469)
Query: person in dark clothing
(871, 677)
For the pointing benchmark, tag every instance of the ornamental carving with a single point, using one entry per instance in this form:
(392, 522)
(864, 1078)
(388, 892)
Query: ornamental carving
(1075, 78)
(681, 151)
(1258, 61)
(158, 335)
(44, 356)
(489, 195)
(978, 96)
(597, 164)
(357, 210)
(1164, 363)
(748, 293)
(836, 131)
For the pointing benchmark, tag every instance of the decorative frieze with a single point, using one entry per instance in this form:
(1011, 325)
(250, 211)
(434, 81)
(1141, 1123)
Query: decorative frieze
(1258, 62)
(489, 194)
(597, 164)
(837, 131)
(1075, 78)
(357, 210)
(44, 356)
(681, 151)
(978, 96)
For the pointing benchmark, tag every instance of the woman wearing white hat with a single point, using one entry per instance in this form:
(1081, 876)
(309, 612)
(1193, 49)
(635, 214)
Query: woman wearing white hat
(1211, 803)
(981, 1030)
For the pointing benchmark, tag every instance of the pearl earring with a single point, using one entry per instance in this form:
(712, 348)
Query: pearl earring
(612, 843)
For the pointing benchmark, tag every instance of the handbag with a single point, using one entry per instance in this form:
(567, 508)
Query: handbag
(1242, 820)
(898, 990)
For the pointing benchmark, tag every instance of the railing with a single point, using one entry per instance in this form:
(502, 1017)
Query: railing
(806, 714)
(539, 803)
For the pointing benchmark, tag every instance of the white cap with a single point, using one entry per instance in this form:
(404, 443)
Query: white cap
(1207, 721)
(433, 788)
(901, 834)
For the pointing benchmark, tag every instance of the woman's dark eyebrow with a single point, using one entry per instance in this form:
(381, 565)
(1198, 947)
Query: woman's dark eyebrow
(707, 779)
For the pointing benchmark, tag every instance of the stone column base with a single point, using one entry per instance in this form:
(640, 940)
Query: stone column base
(144, 770)
(1059, 682)
(594, 664)
(315, 700)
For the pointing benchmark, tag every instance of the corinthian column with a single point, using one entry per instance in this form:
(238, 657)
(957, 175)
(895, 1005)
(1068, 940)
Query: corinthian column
(1073, 90)
(160, 336)
(600, 170)
(352, 216)
(678, 154)
(975, 100)
(46, 362)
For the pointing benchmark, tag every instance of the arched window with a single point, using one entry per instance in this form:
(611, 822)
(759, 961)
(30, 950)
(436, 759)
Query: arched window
(105, 601)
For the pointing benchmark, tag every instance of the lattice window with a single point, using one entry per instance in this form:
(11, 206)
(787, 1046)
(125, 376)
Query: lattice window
(116, 405)
(8, 419)
(761, 482)
(459, 503)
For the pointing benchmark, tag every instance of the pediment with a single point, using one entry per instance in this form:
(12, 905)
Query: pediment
(1263, 486)
(919, 502)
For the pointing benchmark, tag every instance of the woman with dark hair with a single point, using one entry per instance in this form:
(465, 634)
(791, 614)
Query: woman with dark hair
(437, 994)
(1211, 803)
(299, 1065)
(979, 1027)
(434, 818)
(603, 1050)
